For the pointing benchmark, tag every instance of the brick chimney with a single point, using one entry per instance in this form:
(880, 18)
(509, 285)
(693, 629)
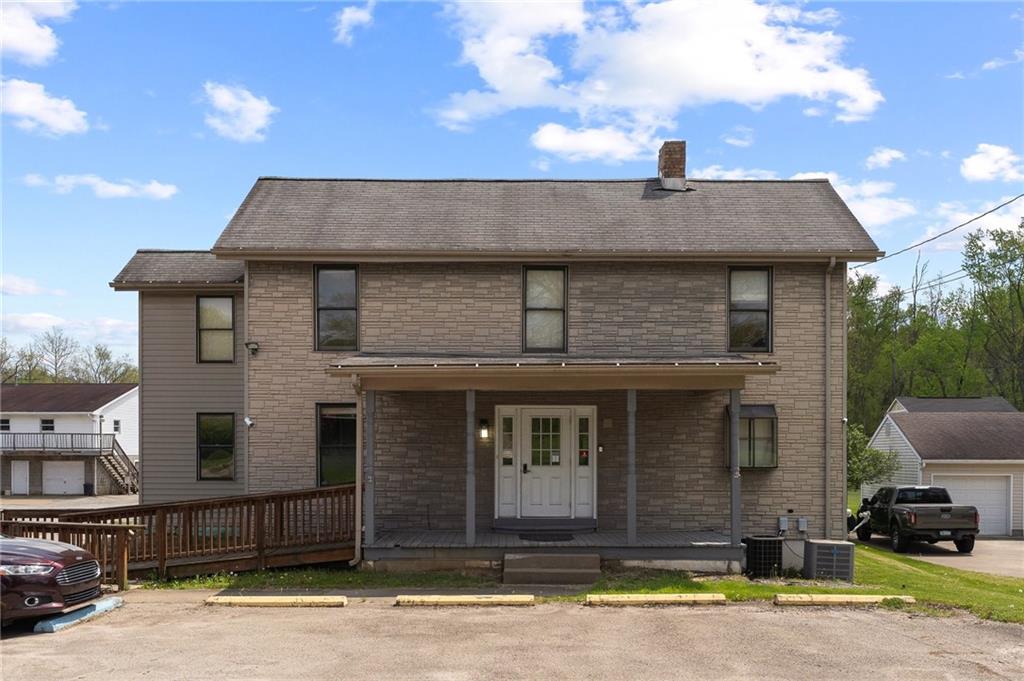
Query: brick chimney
(672, 165)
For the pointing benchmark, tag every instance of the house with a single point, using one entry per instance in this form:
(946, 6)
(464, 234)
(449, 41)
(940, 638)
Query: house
(650, 369)
(69, 438)
(972, 446)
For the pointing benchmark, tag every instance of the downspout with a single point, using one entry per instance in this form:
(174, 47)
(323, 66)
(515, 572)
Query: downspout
(828, 396)
(245, 373)
(357, 555)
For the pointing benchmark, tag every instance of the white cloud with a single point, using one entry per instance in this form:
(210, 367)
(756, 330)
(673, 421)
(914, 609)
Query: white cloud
(34, 110)
(717, 172)
(992, 162)
(949, 214)
(104, 189)
(351, 18)
(814, 112)
(23, 34)
(956, 75)
(543, 164)
(13, 285)
(635, 67)
(238, 114)
(609, 144)
(1000, 62)
(882, 157)
(119, 333)
(868, 199)
(739, 136)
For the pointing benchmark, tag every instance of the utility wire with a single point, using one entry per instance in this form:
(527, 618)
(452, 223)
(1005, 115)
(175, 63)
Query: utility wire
(940, 234)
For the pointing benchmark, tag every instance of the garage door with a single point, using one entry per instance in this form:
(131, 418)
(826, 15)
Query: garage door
(63, 477)
(990, 494)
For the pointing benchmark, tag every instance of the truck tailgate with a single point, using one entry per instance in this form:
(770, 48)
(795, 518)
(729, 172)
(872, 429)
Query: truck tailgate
(943, 517)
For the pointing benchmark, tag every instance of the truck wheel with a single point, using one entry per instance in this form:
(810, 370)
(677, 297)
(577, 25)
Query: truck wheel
(899, 541)
(864, 533)
(965, 545)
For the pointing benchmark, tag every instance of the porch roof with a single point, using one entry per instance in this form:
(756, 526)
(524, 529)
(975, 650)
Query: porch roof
(548, 372)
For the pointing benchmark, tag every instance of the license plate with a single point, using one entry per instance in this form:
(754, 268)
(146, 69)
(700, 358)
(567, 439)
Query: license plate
(945, 516)
(945, 533)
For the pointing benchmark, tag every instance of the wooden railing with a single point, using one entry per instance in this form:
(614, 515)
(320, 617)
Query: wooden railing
(109, 544)
(250, 529)
(75, 442)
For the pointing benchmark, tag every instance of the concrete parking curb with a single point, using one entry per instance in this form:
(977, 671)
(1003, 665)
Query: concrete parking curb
(484, 600)
(280, 601)
(837, 599)
(54, 624)
(622, 600)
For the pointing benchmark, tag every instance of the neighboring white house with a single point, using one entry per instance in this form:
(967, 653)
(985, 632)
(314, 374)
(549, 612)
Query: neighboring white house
(974, 447)
(68, 438)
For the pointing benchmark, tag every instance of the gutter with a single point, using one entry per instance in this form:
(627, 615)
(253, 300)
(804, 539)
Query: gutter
(828, 397)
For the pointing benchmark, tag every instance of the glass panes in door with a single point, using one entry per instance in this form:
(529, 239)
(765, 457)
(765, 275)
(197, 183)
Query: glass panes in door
(545, 441)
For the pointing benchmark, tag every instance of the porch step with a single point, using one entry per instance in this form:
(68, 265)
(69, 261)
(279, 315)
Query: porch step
(540, 525)
(551, 568)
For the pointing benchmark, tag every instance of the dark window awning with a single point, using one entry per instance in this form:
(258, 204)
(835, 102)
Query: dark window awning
(757, 411)
(549, 373)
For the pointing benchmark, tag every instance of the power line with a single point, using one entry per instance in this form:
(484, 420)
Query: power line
(940, 234)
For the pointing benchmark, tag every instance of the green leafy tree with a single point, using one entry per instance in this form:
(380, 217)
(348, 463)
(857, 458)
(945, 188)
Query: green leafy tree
(866, 465)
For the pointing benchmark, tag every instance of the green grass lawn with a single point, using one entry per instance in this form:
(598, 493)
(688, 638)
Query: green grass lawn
(853, 499)
(877, 571)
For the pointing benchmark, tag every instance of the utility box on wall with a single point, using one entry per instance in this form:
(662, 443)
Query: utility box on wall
(828, 559)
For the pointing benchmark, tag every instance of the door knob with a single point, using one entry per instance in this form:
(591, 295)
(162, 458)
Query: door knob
(525, 469)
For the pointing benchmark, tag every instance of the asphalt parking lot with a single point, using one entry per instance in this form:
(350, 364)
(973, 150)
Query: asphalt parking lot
(993, 556)
(172, 635)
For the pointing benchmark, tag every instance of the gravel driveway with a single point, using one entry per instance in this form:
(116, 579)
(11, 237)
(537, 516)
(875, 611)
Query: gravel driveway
(171, 635)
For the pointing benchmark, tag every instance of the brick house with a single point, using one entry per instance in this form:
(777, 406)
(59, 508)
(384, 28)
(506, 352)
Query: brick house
(648, 368)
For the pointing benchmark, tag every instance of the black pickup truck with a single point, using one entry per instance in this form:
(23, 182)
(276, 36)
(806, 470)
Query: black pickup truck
(909, 514)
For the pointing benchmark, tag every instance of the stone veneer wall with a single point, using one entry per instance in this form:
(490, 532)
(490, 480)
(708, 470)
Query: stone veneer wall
(614, 308)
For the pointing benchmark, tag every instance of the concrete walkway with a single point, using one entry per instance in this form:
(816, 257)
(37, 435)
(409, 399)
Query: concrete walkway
(174, 636)
(68, 502)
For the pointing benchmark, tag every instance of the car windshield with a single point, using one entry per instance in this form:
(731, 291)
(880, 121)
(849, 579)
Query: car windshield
(923, 495)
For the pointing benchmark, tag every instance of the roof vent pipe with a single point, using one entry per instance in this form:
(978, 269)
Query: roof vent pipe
(672, 165)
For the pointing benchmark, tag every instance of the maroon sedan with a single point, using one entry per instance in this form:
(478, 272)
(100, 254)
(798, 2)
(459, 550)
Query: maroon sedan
(40, 578)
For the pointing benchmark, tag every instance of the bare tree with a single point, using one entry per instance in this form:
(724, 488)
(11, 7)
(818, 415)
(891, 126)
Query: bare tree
(97, 364)
(8, 362)
(58, 353)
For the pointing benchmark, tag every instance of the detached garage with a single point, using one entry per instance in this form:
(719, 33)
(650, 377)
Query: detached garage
(977, 455)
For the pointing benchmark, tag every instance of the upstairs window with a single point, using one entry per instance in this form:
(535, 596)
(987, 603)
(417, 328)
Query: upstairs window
(5, 425)
(544, 303)
(117, 425)
(337, 308)
(215, 329)
(750, 309)
(215, 446)
(46, 425)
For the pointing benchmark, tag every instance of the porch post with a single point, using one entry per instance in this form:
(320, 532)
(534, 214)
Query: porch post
(631, 466)
(370, 397)
(470, 467)
(735, 518)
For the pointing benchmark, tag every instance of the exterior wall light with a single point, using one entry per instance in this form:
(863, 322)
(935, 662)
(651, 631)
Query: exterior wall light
(485, 429)
(252, 346)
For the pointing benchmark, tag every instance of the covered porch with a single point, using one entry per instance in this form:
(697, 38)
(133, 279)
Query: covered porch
(436, 473)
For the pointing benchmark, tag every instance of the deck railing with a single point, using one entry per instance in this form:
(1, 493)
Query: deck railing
(75, 442)
(210, 530)
(108, 543)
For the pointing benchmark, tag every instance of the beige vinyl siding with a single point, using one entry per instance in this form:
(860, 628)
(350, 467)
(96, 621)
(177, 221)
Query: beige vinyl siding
(889, 438)
(175, 387)
(1015, 470)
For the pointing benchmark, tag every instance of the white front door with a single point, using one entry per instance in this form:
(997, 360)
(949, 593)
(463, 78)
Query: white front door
(19, 477)
(63, 477)
(546, 465)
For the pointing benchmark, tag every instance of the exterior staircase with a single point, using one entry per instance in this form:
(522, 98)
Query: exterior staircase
(120, 468)
(551, 568)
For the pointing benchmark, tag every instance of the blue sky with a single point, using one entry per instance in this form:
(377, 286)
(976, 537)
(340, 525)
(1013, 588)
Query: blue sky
(142, 125)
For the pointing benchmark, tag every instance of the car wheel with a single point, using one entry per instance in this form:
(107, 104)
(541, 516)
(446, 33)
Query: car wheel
(899, 541)
(965, 545)
(864, 533)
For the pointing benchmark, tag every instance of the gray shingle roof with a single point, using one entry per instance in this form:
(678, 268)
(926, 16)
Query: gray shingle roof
(618, 218)
(954, 404)
(60, 397)
(976, 435)
(185, 269)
